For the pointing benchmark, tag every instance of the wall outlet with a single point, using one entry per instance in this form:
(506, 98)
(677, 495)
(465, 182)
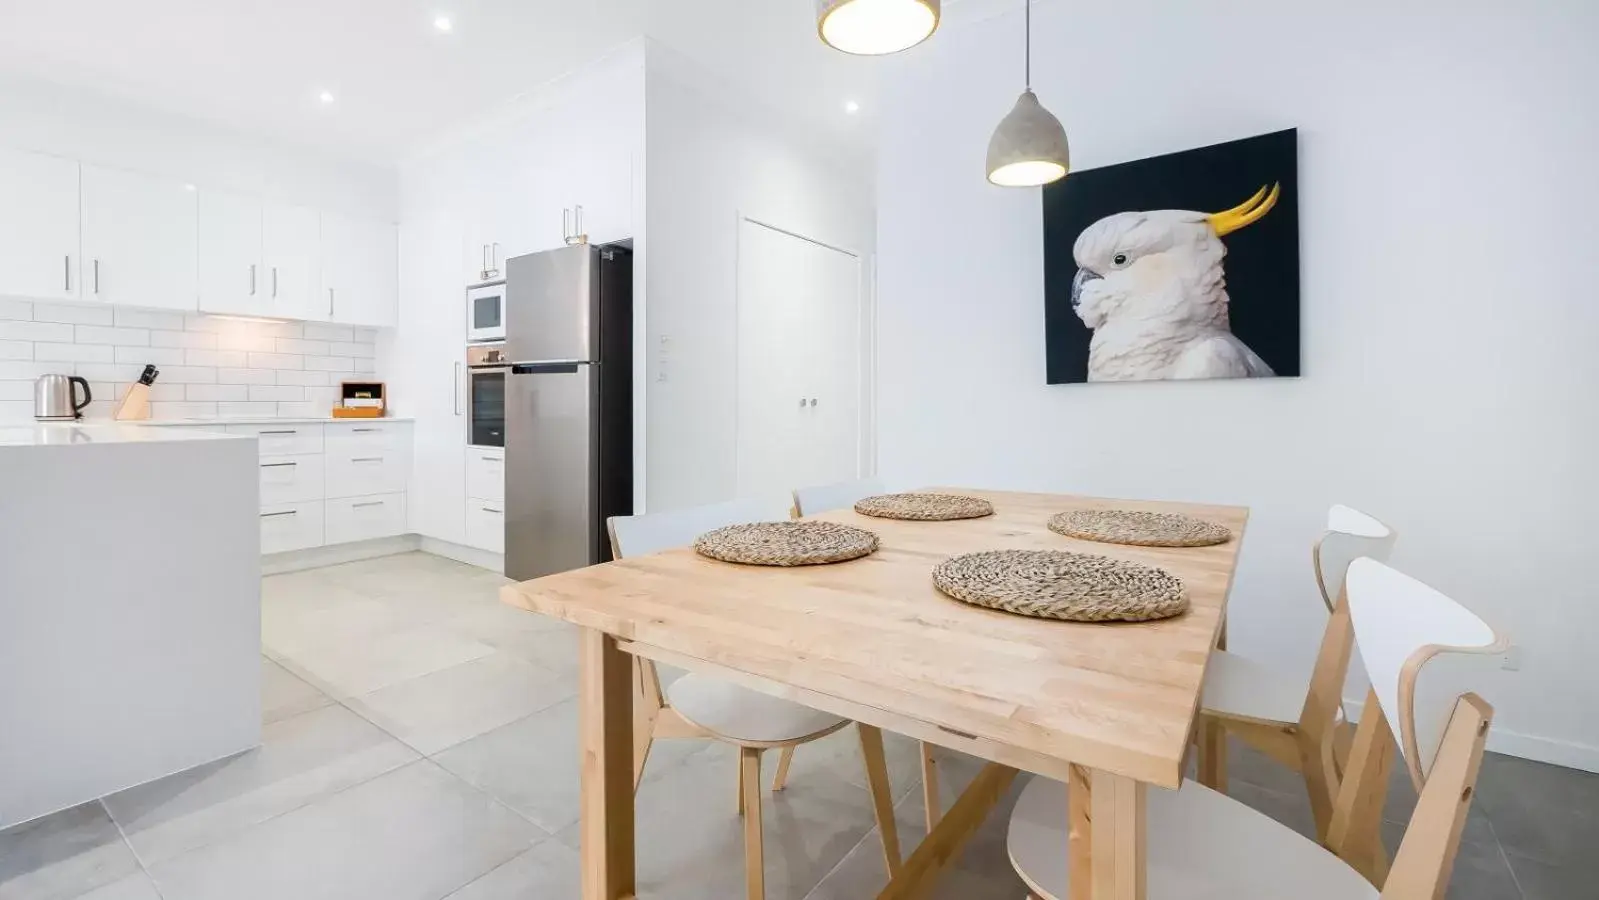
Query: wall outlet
(1511, 661)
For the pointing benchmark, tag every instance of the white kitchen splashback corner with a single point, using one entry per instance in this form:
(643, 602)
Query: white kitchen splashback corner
(210, 367)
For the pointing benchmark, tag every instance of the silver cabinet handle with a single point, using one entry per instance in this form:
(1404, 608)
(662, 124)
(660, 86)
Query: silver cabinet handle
(330, 303)
(372, 503)
(290, 431)
(492, 459)
(66, 271)
(366, 459)
(97, 276)
(277, 465)
(274, 281)
(456, 389)
(813, 401)
(566, 225)
(365, 430)
(252, 279)
(291, 512)
(497, 512)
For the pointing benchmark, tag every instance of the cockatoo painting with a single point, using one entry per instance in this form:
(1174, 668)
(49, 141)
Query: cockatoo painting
(1153, 287)
(1181, 267)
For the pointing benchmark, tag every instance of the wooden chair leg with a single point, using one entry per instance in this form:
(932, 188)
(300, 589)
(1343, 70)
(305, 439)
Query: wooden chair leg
(741, 782)
(780, 780)
(930, 805)
(749, 767)
(1212, 754)
(882, 793)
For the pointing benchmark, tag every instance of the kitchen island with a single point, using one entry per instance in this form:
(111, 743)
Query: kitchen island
(129, 608)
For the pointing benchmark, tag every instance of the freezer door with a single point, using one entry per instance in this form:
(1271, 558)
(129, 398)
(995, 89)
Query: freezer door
(551, 503)
(551, 305)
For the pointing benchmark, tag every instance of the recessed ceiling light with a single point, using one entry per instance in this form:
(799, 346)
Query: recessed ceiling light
(851, 107)
(325, 96)
(443, 23)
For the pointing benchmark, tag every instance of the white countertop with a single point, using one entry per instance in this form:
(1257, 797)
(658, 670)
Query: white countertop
(43, 434)
(266, 420)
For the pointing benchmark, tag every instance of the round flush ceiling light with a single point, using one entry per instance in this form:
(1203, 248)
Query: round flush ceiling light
(875, 27)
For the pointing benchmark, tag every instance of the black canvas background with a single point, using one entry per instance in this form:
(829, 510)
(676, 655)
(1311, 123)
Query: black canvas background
(1262, 259)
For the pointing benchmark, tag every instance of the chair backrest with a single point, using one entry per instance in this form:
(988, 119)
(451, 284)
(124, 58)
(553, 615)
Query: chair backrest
(808, 501)
(1400, 626)
(653, 532)
(1350, 535)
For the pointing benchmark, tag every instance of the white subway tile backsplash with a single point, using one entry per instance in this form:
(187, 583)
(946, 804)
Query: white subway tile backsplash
(277, 393)
(161, 356)
(314, 379)
(214, 357)
(276, 361)
(318, 331)
(198, 339)
(302, 346)
(72, 315)
(218, 392)
(127, 337)
(190, 374)
(140, 318)
(182, 410)
(330, 363)
(234, 410)
(209, 366)
(246, 376)
(72, 352)
(35, 331)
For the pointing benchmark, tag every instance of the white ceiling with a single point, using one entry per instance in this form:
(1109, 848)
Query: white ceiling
(258, 65)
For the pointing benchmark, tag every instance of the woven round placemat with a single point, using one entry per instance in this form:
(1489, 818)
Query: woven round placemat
(786, 543)
(924, 507)
(1054, 584)
(1139, 528)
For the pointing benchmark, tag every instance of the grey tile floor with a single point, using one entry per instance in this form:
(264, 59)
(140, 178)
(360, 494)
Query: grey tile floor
(420, 744)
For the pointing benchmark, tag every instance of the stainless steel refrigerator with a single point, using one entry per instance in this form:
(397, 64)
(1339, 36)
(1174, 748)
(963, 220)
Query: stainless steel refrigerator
(568, 406)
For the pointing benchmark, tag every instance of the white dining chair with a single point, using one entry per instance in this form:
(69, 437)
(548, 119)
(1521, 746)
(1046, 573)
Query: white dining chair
(1278, 713)
(701, 706)
(808, 501)
(1203, 845)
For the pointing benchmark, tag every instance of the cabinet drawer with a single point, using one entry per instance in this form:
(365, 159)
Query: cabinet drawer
(367, 437)
(291, 526)
(283, 440)
(290, 479)
(358, 473)
(485, 525)
(485, 474)
(363, 518)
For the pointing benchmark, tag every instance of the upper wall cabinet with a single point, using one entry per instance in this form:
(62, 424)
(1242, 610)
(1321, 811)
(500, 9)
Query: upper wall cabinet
(292, 250)
(360, 270)
(139, 240)
(38, 226)
(230, 255)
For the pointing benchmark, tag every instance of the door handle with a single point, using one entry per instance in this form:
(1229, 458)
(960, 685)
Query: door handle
(278, 465)
(330, 303)
(97, 276)
(66, 271)
(274, 281)
(252, 279)
(291, 512)
(372, 503)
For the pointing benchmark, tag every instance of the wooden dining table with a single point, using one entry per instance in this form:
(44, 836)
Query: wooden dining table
(1108, 708)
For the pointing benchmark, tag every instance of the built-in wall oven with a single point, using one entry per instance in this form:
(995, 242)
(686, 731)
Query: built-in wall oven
(487, 369)
(485, 312)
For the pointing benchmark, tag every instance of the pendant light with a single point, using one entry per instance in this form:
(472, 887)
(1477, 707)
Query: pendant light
(875, 27)
(1029, 147)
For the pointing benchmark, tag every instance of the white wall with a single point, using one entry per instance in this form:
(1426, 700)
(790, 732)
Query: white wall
(714, 155)
(67, 121)
(1449, 272)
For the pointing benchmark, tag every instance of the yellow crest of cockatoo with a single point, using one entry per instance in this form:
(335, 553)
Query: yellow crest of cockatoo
(1152, 287)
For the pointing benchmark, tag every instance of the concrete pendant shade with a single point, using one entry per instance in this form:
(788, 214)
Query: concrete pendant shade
(1029, 147)
(875, 27)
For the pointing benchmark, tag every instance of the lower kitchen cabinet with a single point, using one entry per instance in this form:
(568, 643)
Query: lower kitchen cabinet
(291, 526)
(348, 519)
(485, 498)
(485, 525)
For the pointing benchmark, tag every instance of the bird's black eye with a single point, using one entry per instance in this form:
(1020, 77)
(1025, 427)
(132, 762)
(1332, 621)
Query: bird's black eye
(1119, 259)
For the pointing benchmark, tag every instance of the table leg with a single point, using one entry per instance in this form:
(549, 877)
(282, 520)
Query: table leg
(1117, 845)
(1080, 834)
(920, 874)
(606, 727)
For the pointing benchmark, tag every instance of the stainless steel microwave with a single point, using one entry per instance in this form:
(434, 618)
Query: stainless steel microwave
(485, 312)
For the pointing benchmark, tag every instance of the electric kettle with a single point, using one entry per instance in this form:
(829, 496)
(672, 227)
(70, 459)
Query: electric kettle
(55, 398)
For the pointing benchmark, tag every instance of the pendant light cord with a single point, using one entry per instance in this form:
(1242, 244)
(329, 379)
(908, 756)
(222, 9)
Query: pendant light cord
(1028, 53)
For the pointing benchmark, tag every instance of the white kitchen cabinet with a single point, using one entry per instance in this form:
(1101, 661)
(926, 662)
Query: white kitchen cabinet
(360, 270)
(349, 519)
(485, 525)
(291, 249)
(230, 255)
(140, 240)
(291, 526)
(485, 474)
(39, 222)
(290, 479)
